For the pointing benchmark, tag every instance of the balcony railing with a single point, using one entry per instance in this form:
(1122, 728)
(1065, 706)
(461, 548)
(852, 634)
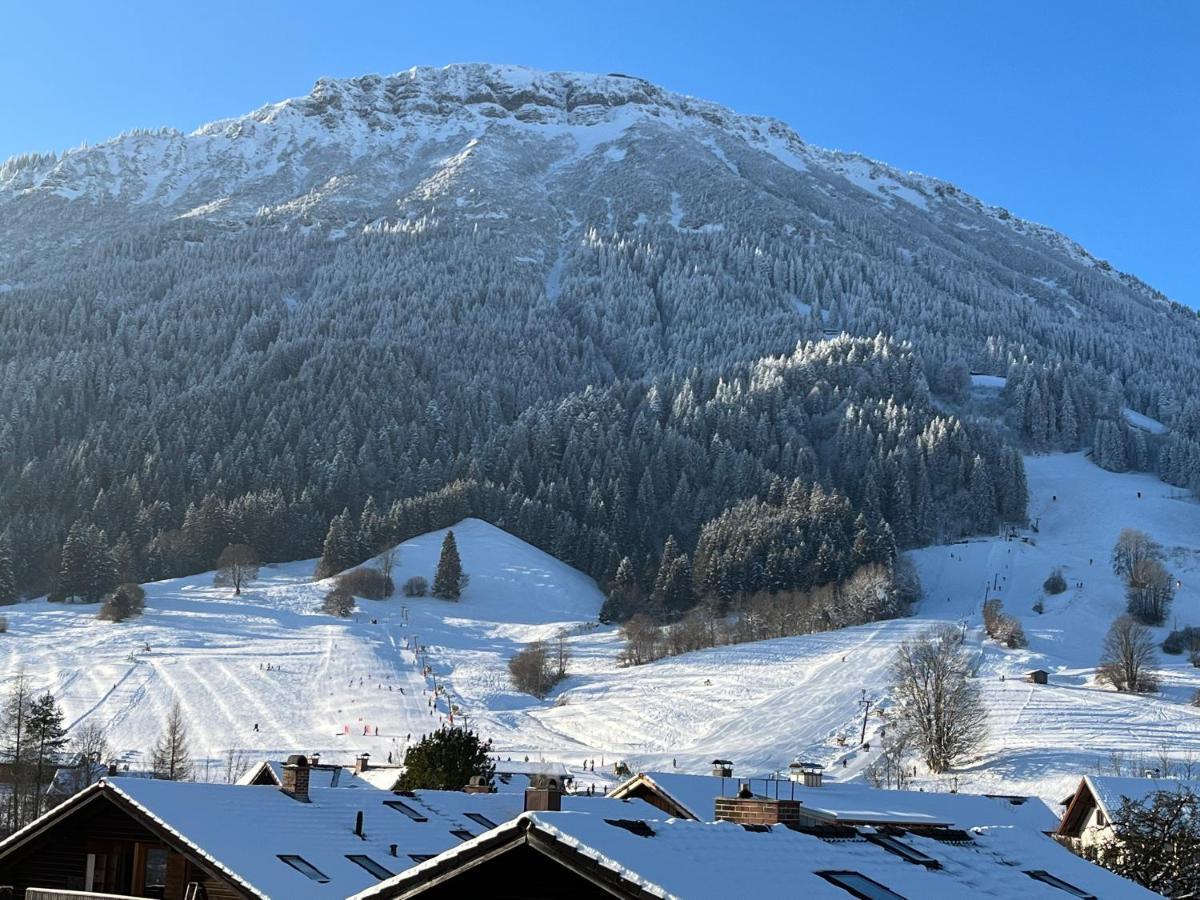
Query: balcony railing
(34, 893)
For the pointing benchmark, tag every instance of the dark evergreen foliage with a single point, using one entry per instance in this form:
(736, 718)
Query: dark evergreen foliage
(446, 760)
(449, 580)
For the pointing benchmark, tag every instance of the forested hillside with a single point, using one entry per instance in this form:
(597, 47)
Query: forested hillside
(579, 306)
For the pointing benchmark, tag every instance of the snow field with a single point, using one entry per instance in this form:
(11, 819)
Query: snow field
(759, 704)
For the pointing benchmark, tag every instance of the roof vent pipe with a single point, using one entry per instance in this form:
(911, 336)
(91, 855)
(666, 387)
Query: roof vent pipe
(358, 824)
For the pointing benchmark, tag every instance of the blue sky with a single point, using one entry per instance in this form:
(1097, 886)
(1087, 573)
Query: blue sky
(1081, 115)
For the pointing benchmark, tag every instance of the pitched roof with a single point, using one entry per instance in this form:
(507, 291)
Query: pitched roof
(247, 828)
(1109, 791)
(677, 858)
(243, 830)
(851, 802)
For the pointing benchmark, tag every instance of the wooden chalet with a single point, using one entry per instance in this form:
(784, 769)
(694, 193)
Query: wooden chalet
(1091, 811)
(101, 841)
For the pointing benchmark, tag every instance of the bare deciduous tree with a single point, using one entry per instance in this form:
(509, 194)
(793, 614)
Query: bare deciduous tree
(1126, 657)
(237, 564)
(89, 752)
(1149, 591)
(940, 707)
(1132, 547)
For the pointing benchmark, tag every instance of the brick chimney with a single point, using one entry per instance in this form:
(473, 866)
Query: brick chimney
(544, 794)
(295, 777)
(361, 763)
(748, 809)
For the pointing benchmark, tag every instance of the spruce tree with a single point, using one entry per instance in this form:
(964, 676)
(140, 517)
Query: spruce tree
(47, 736)
(449, 580)
(340, 550)
(446, 761)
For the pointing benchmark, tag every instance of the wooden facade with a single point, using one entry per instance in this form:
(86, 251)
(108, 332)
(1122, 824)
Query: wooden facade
(98, 842)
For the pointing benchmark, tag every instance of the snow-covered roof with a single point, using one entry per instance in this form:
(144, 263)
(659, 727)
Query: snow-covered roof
(1110, 790)
(854, 802)
(679, 858)
(322, 775)
(533, 767)
(247, 828)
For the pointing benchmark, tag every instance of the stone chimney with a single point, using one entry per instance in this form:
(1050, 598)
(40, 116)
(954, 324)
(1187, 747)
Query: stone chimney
(361, 763)
(478, 785)
(295, 777)
(748, 809)
(544, 794)
(722, 768)
(314, 760)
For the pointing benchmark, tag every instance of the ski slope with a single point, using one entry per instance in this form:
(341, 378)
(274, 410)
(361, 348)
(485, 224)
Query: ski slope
(316, 683)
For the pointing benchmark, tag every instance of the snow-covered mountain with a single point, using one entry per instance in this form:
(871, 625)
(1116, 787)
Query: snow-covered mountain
(483, 142)
(584, 292)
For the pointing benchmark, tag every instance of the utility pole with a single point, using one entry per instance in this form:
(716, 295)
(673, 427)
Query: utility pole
(865, 703)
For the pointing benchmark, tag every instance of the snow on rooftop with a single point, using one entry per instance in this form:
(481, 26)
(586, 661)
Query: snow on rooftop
(856, 802)
(1110, 790)
(680, 858)
(246, 828)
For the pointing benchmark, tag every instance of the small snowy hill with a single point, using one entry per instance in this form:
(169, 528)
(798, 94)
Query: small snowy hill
(268, 658)
(760, 704)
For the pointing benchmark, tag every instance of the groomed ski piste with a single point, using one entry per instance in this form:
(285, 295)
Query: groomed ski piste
(266, 674)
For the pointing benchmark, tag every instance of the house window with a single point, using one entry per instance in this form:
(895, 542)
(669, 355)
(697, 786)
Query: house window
(481, 820)
(304, 867)
(369, 864)
(420, 857)
(1056, 882)
(462, 834)
(401, 806)
(154, 873)
(858, 885)
(1100, 821)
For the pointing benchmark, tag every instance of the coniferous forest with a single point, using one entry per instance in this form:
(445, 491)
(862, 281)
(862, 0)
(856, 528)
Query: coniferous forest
(761, 384)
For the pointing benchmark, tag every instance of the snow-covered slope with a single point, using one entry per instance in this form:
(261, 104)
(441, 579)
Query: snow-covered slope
(759, 704)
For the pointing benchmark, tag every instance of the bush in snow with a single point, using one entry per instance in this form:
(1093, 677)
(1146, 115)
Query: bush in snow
(1002, 627)
(1055, 584)
(416, 587)
(1182, 640)
(366, 582)
(338, 602)
(537, 668)
(125, 602)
